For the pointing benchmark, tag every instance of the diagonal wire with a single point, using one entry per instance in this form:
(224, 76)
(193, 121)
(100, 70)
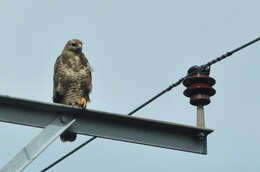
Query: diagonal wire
(202, 67)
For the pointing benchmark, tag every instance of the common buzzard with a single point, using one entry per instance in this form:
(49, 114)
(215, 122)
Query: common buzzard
(72, 80)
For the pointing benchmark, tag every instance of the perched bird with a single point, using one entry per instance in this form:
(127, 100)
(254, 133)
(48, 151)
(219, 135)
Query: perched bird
(72, 80)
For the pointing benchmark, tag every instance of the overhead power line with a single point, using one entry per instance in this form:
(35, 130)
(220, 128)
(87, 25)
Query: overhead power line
(175, 84)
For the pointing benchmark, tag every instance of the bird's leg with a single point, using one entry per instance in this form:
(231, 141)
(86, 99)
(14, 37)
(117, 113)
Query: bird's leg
(83, 103)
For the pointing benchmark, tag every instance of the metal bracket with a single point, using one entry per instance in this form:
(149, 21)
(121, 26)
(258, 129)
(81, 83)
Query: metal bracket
(37, 145)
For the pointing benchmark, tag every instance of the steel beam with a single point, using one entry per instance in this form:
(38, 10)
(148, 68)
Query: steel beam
(37, 145)
(107, 125)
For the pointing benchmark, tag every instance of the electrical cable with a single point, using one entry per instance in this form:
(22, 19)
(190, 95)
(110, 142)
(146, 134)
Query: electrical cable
(202, 67)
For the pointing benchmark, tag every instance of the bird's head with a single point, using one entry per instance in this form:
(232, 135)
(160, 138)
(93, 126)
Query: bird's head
(74, 45)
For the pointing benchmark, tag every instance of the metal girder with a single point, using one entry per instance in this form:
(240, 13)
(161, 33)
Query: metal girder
(107, 125)
(37, 145)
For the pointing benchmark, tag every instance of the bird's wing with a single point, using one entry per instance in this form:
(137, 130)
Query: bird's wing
(90, 78)
(58, 87)
(87, 81)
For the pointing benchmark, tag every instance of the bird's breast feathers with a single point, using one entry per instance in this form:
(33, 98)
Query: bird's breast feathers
(73, 69)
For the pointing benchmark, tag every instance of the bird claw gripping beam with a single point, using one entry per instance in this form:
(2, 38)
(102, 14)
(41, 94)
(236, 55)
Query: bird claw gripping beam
(83, 103)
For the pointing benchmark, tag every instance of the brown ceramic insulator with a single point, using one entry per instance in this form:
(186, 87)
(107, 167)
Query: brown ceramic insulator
(199, 79)
(199, 99)
(199, 89)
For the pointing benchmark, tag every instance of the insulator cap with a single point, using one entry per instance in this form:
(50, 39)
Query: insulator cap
(199, 86)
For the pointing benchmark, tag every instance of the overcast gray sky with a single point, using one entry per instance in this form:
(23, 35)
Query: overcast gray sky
(138, 48)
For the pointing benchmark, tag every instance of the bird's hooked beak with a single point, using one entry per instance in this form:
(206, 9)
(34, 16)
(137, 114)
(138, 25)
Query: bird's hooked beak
(79, 46)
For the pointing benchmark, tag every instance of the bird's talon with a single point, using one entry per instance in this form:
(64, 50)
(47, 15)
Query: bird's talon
(83, 103)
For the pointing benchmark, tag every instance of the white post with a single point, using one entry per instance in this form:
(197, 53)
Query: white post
(200, 117)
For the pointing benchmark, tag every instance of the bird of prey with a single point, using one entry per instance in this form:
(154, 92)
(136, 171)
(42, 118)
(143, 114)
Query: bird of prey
(72, 81)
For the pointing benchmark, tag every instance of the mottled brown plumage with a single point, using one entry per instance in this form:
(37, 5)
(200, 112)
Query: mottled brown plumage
(72, 79)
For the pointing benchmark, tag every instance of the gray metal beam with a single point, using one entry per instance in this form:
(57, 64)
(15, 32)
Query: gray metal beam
(37, 145)
(107, 125)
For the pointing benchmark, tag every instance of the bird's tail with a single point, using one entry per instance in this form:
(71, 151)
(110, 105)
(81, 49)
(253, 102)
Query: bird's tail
(68, 136)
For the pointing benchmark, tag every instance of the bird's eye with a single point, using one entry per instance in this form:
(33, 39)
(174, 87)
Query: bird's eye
(74, 45)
